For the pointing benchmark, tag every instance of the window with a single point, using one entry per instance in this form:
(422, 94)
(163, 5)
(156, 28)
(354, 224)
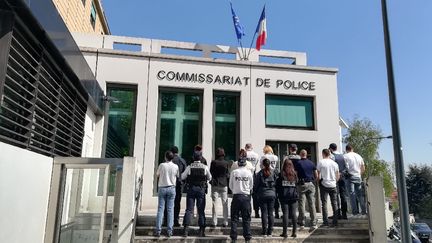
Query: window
(120, 128)
(226, 123)
(179, 122)
(121, 121)
(93, 15)
(290, 112)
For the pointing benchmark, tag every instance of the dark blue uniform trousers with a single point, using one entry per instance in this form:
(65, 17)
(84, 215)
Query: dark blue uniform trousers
(195, 193)
(241, 204)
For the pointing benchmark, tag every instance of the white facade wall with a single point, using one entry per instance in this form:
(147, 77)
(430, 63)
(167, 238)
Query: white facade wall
(25, 179)
(141, 68)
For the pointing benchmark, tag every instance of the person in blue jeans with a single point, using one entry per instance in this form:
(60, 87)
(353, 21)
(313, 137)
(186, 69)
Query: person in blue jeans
(356, 168)
(168, 173)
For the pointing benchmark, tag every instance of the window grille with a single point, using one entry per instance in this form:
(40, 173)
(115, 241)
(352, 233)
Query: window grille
(41, 109)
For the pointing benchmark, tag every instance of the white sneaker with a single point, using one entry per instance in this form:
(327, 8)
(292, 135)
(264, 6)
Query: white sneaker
(314, 227)
(302, 227)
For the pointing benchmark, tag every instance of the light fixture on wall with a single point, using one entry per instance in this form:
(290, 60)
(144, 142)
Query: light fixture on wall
(111, 99)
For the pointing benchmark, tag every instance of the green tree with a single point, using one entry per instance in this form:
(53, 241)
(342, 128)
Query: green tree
(419, 190)
(363, 135)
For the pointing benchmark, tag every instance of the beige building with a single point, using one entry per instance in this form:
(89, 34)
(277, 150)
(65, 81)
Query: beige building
(84, 16)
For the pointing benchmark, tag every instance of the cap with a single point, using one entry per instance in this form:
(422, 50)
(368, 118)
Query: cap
(333, 146)
(197, 155)
(293, 146)
(242, 161)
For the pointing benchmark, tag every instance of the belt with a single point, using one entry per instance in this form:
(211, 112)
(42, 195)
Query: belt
(166, 186)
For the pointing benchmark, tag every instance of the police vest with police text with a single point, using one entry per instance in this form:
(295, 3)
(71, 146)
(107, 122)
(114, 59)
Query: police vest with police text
(197, 176)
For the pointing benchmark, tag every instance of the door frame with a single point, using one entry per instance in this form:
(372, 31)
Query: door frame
(57, 191)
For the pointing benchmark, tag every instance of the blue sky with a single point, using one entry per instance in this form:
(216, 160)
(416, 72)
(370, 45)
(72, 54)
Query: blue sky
(338, 33)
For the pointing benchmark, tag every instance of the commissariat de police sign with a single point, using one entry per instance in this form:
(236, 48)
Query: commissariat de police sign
(209, 78)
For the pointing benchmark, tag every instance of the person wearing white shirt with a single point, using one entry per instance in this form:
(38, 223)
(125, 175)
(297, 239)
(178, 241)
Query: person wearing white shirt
(168, 172)
(241, 184)
(328, 172)
(253, 158)
(355, 167)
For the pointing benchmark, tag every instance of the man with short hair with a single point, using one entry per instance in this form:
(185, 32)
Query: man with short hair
(293, 156)
(342, 182)
(328, 172)
(167, 174)
(307, 174)
(181, 163)
(355, 167)
(241, 184)
(196, 175)
(219, 185)
(253, 157)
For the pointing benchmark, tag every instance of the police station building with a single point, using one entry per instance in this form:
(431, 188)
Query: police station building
(164, 93)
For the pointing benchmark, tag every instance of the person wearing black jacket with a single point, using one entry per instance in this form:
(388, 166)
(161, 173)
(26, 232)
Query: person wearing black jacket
(220, 174)
(286, 189)
(181, 163)
(264, 186)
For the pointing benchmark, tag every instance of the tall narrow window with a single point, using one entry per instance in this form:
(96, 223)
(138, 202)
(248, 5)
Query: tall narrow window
(121, 121)
(93, 15)
(119, 130)
(179, 122)
(226, 123)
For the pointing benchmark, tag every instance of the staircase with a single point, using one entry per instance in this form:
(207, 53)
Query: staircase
(354, 229)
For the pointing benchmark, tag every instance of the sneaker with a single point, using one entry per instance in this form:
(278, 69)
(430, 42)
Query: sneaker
(294, 235)
(314, 227)
(302, 227)
(325, 224)
(169, 234)
(284, 235)
(157, 234)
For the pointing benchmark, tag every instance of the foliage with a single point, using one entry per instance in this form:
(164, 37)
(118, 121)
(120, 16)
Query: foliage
(362, 136)
(419, 189)
(381, 168)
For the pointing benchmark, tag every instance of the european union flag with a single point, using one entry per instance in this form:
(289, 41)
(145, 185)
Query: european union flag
(238, 28)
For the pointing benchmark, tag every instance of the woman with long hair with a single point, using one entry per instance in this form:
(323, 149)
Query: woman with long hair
(274, 166)
(264, 187)
(288, 196)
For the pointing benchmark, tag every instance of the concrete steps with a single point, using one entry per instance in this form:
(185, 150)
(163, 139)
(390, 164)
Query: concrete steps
(351, 230)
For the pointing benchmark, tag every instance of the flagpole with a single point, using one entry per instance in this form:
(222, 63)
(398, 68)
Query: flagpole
(242, 51)
(250, 47)
(253, 38)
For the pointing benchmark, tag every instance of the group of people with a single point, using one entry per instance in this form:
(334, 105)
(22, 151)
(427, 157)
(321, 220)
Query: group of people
(261, 178)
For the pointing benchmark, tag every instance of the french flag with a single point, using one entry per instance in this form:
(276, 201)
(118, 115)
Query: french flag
(261, 30)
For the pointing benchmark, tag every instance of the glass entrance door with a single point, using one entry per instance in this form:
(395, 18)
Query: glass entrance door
(79, 209)
(280, 148)
(83, 215)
